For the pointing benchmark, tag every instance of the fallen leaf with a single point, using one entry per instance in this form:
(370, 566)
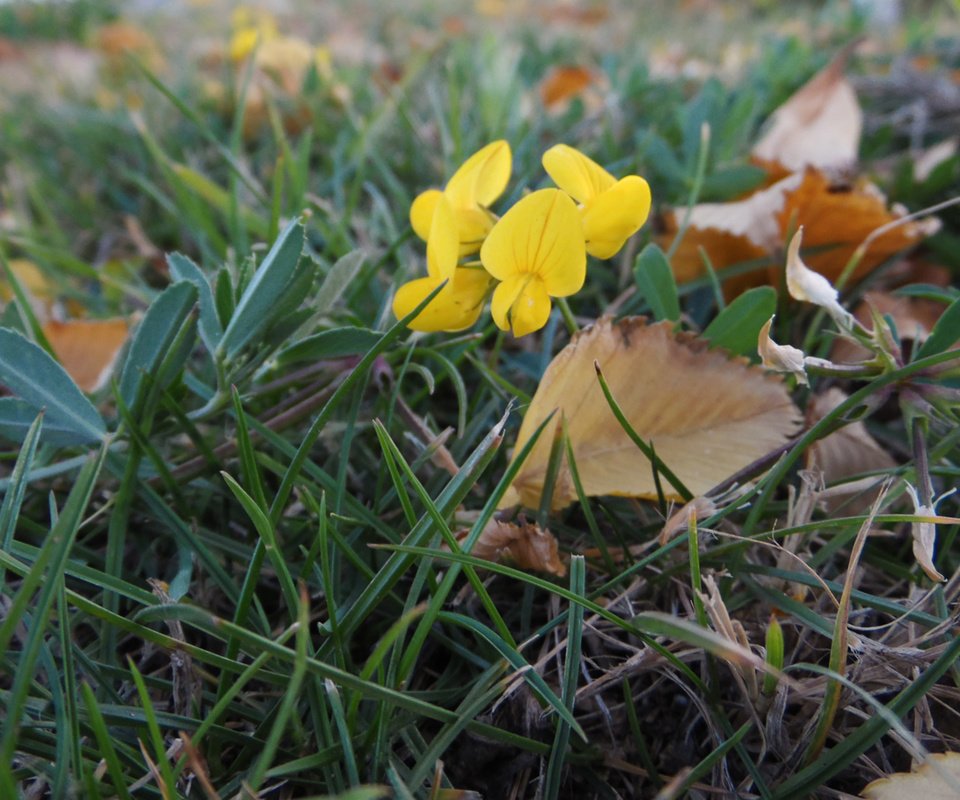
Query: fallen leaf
(818, 126)
(525, 544)
(564, 83)
(843, 454)
(87, 348)
(707, 414)
(938, 778)
(730, 233)
(836, 221)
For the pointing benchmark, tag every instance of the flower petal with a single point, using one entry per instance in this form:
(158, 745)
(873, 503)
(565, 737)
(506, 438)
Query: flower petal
(521, 303)
(540, 235)
(580, 177)
(443, 244)
(421, 212)
(482, 177)
(473, 225)
(456, 307)
(780, 357)
(531, 310)
(615, 215)
(503, 298)
(806, 285)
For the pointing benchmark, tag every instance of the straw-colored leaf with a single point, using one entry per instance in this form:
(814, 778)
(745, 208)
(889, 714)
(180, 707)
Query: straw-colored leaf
(936, 779)
(708, 415)
(818, 126)
(87, 348)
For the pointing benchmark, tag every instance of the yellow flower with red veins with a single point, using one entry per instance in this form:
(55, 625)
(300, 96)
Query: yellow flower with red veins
(537, 251)
(470, 192)
(612, 210)
(459, 303)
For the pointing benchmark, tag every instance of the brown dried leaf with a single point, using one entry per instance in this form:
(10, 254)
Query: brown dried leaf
(836, 221)
(527, 545)
(819, 126)
(564, 82)
(707, 415)
(87, 348)
(936, 779)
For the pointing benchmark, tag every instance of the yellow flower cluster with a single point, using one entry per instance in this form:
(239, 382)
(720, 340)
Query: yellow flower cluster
(536, 251)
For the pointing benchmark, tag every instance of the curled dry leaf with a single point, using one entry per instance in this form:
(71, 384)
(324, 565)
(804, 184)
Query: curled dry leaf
(843, 454)
(818, 126)
(837, 219)
(87, 348)
(936, 779)
(708, 415)
(525, 544)
(814, 135)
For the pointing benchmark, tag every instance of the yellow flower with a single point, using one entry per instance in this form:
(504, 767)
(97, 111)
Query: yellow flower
(250, 27)
(538, 252)
(459, 303)
(612, 210)
(472, 189)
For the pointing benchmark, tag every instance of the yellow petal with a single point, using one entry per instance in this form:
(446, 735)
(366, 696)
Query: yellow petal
(615, 215)
(473, 225)
(443, 244)
(456, 307)
(421, 212)
(579, 176)
(482, 177)
(521, 304)
(541, 235)
(503, 297)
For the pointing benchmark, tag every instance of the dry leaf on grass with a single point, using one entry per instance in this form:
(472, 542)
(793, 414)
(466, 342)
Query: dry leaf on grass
(844, 453)
(563, 83)
(818, 126)
(936, 779)
(87, 348)
(525, 544)
(836, 220)
(708, 415)
(814, 136)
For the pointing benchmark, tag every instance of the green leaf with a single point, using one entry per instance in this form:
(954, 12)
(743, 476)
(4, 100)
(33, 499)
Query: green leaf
(182, 268)
(38, 380)
(160, 329)
(733, 181)
(737, 327)
(16, 417)
(656, 283)
(263, 293)
(336, 343)
(223, 296)
(340, 276)
(944, 334)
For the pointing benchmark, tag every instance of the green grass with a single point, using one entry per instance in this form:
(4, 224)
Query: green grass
(242, 570)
